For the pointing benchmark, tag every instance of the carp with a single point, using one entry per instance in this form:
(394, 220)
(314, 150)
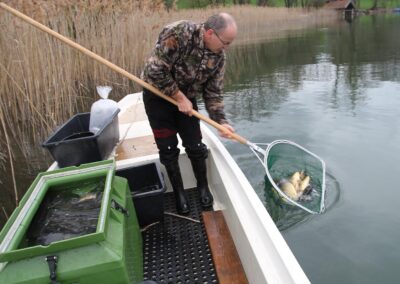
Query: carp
(297, 185)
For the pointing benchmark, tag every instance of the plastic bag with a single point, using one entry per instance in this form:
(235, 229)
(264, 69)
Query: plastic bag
(102, 110)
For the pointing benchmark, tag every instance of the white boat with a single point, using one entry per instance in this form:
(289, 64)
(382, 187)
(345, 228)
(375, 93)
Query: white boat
(263, 252)
(236, 241)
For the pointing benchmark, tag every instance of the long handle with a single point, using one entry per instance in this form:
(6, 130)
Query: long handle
(116, 68)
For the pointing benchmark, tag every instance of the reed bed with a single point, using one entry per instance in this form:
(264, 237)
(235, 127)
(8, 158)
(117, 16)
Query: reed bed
(12, 168)
(44, 82)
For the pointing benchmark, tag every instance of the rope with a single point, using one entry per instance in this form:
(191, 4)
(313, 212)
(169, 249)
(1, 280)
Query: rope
(182, 217)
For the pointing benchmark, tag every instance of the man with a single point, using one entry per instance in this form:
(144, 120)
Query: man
(188, 60)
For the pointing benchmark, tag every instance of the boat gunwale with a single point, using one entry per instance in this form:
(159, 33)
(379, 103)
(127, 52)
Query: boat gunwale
(264, 253)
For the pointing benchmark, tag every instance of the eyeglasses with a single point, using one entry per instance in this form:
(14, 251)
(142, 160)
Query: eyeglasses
(226, 43)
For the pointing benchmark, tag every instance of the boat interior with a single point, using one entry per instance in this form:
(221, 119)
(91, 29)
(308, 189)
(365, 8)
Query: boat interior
(236, 241)
(178, 249)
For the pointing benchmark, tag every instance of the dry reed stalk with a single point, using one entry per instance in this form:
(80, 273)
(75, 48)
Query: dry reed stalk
(10, 157)
(21, 92)
(5, 212)
(2, 157)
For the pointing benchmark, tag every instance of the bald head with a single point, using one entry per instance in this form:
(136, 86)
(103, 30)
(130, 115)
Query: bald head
(220, 32)
(219, 22)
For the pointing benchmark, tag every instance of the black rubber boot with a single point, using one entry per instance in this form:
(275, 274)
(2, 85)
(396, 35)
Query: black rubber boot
(200, 172)
(174, 174)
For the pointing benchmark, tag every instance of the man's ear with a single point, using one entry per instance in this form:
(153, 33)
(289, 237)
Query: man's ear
(209, 32)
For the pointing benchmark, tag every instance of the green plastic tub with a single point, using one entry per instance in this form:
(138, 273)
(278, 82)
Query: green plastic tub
(112, 253)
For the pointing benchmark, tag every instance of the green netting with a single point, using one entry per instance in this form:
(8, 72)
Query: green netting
(285, 215)
(282, 159)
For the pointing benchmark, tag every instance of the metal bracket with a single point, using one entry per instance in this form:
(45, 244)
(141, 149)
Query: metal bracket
(52, 262)
(117, 206)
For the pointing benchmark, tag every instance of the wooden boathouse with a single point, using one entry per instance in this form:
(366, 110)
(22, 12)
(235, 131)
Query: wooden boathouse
(341, 5)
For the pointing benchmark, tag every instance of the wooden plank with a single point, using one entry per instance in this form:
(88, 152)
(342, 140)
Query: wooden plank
(136, 147)
(226, 260)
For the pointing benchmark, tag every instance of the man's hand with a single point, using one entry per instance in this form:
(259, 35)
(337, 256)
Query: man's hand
(226, 133)
(184, 105)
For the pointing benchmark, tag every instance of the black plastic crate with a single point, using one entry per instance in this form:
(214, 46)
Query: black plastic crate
(72, 144)
(147, 187)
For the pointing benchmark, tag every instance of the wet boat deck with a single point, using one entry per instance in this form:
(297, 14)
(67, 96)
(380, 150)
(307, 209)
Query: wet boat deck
(177, 250)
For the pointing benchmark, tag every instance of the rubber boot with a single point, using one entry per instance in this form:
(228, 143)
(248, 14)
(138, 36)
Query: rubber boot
(174, 174)
(200, 172)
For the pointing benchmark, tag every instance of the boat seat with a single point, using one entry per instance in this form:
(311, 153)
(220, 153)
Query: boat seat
(226, 260)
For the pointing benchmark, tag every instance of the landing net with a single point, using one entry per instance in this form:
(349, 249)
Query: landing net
(284, 158)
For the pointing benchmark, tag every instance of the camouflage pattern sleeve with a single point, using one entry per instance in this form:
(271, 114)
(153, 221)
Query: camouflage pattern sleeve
(212, 95)
(157, 70)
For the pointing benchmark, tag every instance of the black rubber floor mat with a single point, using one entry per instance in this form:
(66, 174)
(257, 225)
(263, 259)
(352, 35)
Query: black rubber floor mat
(176, 250)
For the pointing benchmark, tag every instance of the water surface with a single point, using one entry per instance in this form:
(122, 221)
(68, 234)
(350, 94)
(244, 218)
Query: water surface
(335, 91)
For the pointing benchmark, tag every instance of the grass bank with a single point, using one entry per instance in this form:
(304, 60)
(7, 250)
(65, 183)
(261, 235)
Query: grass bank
(380, 4)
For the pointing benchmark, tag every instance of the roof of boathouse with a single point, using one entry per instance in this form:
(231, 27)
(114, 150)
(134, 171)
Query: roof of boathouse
(340, 4)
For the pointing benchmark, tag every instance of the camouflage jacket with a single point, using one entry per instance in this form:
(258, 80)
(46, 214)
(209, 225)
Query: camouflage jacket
(180, 61)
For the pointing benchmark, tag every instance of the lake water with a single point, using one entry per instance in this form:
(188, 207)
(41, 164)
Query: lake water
(336, 92)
